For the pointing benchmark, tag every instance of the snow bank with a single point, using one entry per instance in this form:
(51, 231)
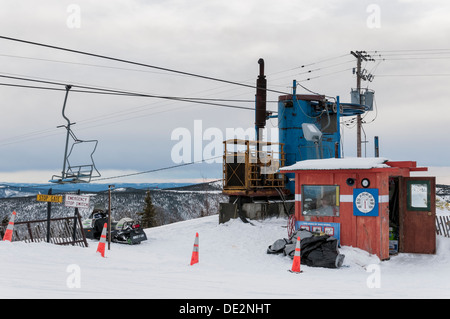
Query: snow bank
(233, 264)
(338, 163)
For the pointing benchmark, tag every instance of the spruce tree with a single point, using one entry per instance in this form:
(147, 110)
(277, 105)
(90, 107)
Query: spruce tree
(148, 216)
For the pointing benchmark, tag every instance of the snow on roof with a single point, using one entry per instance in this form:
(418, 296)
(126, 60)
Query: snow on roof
(338, 163)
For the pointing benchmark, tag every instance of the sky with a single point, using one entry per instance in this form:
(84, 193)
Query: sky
(214, 46)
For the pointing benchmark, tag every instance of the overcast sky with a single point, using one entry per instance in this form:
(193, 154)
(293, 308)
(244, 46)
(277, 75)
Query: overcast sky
(217, 39)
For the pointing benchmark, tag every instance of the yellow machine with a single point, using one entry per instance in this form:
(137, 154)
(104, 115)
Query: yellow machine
(250, 168)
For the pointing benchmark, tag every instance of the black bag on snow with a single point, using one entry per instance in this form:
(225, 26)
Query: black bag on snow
(321, 251)
(315, 250)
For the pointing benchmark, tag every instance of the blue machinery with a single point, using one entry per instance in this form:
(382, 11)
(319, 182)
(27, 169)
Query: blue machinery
(298, 114)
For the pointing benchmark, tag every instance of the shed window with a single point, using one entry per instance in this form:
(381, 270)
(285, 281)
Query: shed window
(418, 195)
(320, 200)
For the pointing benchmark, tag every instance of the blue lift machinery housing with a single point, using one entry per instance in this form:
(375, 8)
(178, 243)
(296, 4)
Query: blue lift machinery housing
(308, 128)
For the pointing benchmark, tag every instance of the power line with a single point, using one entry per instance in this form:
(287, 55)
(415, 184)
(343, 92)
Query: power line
(409, 50)
(157, 169)
(313, 71)
(186, 99)
(420, 54)
(28, 136)
(326, 74)
(96, 90)
(76, 63)
(133, 63)
(35, 134)
(413, 75)
(412, 58)
(313, 63)
(325, 67)
(113, 92)
(415, 54)
(129, 174)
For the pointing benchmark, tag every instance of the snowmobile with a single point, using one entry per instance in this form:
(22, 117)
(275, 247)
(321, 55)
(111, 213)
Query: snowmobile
(125, 231)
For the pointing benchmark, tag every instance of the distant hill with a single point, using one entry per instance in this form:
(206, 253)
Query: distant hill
(187, 201)
(8, 190)
(172, 203)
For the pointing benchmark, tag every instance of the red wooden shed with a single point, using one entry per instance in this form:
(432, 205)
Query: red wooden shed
(369, 203)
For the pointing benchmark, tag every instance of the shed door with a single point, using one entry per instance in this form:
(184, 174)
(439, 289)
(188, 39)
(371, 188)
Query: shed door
(417, 215)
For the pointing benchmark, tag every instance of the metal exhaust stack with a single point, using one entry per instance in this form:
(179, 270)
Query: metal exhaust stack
(261, 97)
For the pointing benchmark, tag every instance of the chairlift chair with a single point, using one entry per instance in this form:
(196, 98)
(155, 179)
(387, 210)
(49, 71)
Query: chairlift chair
(75, 173)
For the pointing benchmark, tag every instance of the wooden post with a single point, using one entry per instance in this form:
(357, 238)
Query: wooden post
(109, 216)
(75, 220)
(49, 212)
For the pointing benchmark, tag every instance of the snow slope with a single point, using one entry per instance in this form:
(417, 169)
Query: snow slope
(233, 264)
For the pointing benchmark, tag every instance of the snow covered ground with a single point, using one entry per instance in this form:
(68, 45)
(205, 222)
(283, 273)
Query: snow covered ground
(233, 264)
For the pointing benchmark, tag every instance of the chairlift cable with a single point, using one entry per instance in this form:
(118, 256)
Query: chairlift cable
(134, 63)
(157, 169)
(96, 90)
(126, 175)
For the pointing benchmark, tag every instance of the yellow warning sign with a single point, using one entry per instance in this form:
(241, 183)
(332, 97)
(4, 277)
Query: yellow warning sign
(49, 198)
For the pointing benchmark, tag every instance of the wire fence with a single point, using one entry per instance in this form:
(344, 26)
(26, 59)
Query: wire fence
(62, 231)
(443, 225)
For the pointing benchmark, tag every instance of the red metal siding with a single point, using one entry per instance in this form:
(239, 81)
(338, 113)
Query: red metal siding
(365, 232)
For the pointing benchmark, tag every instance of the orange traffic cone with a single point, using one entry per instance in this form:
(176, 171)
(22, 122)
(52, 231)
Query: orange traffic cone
(296, 262)
(9, 229)
(102, 243)
(194, 258)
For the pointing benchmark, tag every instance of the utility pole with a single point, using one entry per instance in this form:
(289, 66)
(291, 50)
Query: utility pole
(359, 55)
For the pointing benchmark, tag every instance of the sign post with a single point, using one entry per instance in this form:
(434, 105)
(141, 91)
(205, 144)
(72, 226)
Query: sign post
(49, 199)
(49, 212)
(77, 201)
(109, 216)
(75, 216)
